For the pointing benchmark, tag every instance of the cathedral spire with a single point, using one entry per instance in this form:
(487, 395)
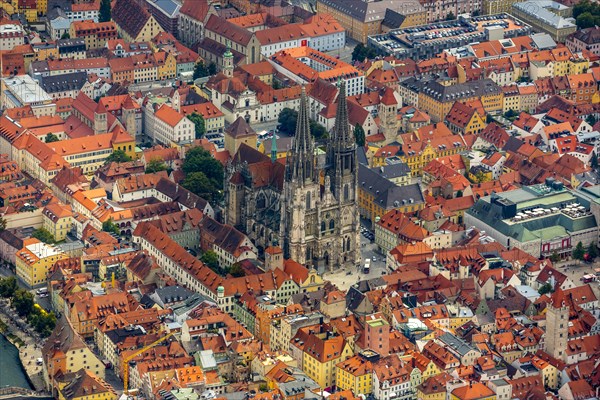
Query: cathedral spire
(301, 159)
(342, 136)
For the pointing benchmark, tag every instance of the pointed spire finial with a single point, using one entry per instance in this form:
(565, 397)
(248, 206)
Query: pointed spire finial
(274, 147)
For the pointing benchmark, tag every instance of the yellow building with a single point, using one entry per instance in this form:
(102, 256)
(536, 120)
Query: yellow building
(58, 220)
(34, 261)
(473, 391)
(44, 51)
(418, 155)
(237, 133)
(497, 6)
(355, 374)
(27, 8)
(322, 352)
(84, 385)
(434, 387)
(464, 120)
(143, 29)
(214, 119)
(166, 65)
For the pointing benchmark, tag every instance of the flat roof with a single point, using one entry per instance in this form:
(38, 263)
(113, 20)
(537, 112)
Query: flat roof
(26, 90)
(42, 250)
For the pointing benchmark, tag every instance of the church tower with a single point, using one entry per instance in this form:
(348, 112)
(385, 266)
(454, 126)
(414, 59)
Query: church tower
(228, 62)
(300, 190)
(342, 153)
(100, 122)
(557, 326)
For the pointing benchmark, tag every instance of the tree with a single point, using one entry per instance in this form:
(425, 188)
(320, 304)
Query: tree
(236, 270)
(212, 68)
(2, 224)
(118, 156)
(594, 161)
(554, 257)
(110, 227)
(578, 251)
(43, 235)
(200, 184)
(359, 135)
(51, 137)
(211, 260)
(199, 160)
(263, 387)
(43, 322)
(361, 52)
(8, 286)
(65, 36)
(200, 70)
(585, 20)
(199, 125)
(287, 124)
(546, 288)
(22, 301)
(450, 16)
(593, 250)
(590, 119)
(511, 114)
(287, 120)
(156, 165)
(105, 11)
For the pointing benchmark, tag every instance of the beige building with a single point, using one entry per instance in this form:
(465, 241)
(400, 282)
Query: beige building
(237, 133)
(375, 17)
(134, 22)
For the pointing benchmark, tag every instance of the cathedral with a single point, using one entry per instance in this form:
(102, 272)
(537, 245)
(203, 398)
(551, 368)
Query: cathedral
(307, 206)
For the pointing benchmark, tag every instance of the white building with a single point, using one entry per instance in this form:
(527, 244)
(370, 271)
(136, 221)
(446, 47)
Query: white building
(171, 127)
(11, 35)
(22, 90)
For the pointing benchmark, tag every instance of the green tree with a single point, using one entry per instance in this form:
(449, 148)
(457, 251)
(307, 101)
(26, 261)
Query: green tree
(450, 16)
(546, 288)
(2, 224)
(511, 114)
(200, 70)
(200, 184)
(594, 161)
(362, 52)
(287, 121)
(110, 227)
(263, 387)
(211, 260)
(8, 286)
(66, 35)
(43, 235)
(578, 251)
(593, 250)
(554, 257)
(318, 131)
(199, 125)
(42, 321)
(212, 68)
(359, 135)
(590, 119)
(105, 11)
(199, 160)
(585, 20)
(236, 270)
(118, 156)
(51, 137)
(156, 165)
(22, 301)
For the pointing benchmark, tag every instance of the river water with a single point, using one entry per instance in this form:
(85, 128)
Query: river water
(11, 372)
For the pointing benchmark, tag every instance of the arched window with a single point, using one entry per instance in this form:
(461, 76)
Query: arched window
(323, 226)
(308, 201)
(331, 225)
(346, 192)
(347, 244)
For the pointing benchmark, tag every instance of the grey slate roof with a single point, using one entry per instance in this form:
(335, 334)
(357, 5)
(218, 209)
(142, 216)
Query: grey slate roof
(452, 93)
(168, 7)
(371, 11)
(458, 345)
(393, 171)
(387, 193)
(61, 83)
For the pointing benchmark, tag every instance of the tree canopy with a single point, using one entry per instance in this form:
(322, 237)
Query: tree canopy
(586, 14)
(361, 52)
(202, 70)
(287, 124)
(43, 235)
(110, 227)
(156, 165)
(199, 124)
(51, 137)
(118, 156)
(579, 251)
(105, 11)
(359, 135)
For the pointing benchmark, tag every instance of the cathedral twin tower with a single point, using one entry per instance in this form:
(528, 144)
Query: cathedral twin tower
(319, 215)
